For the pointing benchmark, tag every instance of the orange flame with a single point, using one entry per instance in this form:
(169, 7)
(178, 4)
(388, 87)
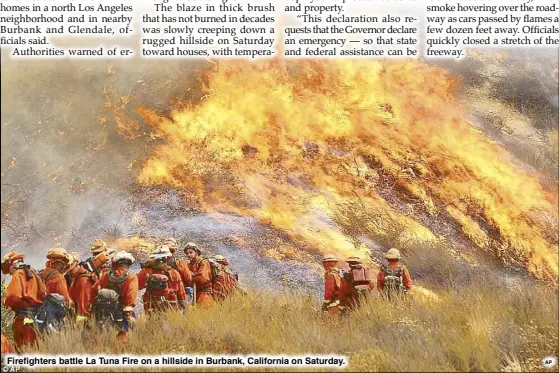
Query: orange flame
(289, 143)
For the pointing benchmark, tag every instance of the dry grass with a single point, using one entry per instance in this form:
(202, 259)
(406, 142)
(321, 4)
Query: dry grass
(478, 327)
(7, 313)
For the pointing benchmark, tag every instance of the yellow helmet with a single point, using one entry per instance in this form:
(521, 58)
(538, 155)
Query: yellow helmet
(221, 259)
(171, 242)
(9, 258)
(58, 253)
(98, 246)
(74, 260)
(354, 260)
(74, 257)
(12, 256)
(329, 258)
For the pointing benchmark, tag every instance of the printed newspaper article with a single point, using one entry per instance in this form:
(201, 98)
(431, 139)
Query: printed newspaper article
(265, 29)
(308, 185)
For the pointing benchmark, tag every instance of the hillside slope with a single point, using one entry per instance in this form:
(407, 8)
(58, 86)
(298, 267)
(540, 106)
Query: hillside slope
(467, 328)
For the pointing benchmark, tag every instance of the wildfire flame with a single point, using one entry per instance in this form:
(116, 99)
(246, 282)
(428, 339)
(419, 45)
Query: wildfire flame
(291, 144)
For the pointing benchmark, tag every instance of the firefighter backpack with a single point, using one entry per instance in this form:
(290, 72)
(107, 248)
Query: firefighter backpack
(393, 280)
(52, 312)
(158, 290)
(106, 306)
(158, 282)
(360, 279)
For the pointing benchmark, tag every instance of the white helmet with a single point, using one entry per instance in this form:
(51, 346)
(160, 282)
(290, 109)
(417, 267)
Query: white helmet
(123, 256)
(193, 246)
(393, 253)
(161, 252)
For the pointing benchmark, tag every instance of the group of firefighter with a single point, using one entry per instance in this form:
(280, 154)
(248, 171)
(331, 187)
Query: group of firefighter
(345, 289)
(103, 289)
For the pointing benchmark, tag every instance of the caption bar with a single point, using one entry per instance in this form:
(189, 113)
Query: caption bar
(38, 361)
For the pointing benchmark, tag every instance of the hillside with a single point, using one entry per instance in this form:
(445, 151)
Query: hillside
(274, 164)
(467, 327)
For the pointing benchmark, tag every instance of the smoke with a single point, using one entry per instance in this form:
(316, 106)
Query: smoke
(513, 95)
(69, 170)
(67, 173)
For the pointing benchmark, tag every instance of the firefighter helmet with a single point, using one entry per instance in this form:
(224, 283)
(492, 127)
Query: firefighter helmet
(9, 258)
(171, 242)
(329, 258)
(193, 246)
(123, 257)
(354, 260)
(393, 253)
(58, 254)
(98, 246)
(161, 252)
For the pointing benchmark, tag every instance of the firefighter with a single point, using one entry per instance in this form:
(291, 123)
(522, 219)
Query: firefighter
(125, 284)
(71, 272)
(202, 275)
(72, 269)
(105, 268)
(222, 284)
(178, 264)
(393, 279)
(356, 284)
(163, 284)
(53, 274)
(332, 284)
(228, 278)
(24, 295)
(100, 256)
(7, 347)
(222, 260)
(81, 290)
(231, 279)
(98, 246)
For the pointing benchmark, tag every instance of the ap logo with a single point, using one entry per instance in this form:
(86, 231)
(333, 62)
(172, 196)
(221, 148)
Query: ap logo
(549, 362)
